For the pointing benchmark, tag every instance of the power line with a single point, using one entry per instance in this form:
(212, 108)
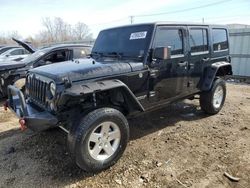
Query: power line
(131, 18)
(222, 17)
(112, 21)
(183, 10)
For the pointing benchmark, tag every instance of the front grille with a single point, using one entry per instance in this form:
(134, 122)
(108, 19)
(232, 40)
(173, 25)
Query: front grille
(37, 90)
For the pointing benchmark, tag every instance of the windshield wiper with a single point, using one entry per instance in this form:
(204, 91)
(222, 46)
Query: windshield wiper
(98, 54)
(118, 55)
(138, 58)
(114, 54)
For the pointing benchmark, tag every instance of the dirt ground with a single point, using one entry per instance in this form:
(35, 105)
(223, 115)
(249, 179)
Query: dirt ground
(176, 146)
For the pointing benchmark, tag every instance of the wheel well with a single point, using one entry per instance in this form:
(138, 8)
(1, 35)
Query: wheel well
(213, 72)
(224, 70)
(115, 98)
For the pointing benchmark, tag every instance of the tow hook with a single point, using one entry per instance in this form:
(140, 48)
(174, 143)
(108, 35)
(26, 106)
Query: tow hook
(22, 123)
(6, 105)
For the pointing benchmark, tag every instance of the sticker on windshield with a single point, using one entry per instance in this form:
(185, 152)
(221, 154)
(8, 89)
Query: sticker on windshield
(138, 35)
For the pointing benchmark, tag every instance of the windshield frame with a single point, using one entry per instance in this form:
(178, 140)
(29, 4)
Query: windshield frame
(125, 56)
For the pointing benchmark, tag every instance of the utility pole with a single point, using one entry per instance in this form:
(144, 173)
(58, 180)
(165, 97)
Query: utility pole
(131, 19)
(203, 20)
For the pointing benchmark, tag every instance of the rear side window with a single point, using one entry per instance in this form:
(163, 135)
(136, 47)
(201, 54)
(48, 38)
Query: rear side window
(80, 52)
(170, 37)
(25, 51)
(198, 40)
(220, 41)
(16, 52)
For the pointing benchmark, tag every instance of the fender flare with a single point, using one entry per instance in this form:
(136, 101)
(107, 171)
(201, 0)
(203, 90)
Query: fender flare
(210, 74)
(104, 85)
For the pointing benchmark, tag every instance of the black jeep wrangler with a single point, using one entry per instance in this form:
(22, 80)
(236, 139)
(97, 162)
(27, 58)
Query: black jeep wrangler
(131, 69)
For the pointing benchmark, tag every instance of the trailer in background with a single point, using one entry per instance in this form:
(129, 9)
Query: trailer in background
(240, 52)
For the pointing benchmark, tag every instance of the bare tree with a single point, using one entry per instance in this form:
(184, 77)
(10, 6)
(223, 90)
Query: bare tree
(49, 29)
(82, 31)
(7, 38)
(55, 30)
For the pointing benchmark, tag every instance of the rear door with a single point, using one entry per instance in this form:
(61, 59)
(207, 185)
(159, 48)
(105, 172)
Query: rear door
(80, 52)
(170, 77)
(199, 55)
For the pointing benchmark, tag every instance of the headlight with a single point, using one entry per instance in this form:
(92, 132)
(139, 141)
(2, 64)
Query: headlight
(52, 88)
(52, 106)
(2, 81)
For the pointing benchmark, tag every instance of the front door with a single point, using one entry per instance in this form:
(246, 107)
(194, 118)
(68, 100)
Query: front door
(169, 78)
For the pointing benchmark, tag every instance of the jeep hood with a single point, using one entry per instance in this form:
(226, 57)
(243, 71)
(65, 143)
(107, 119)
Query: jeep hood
(10, 65)
(84, 69)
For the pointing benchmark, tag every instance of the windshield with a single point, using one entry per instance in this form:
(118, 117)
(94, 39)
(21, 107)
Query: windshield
(130, 41)
(35, 56)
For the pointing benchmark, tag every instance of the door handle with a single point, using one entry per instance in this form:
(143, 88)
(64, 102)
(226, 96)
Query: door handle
(206, 59)
(182, 64)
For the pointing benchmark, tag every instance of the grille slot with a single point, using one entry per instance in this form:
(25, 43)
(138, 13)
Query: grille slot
(37, 91)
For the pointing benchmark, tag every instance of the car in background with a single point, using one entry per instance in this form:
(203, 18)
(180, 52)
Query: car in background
(13, 72)
(6, 48)
(14, 54)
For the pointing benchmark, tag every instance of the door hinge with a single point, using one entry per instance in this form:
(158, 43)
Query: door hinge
(153, 73)
(151, 93)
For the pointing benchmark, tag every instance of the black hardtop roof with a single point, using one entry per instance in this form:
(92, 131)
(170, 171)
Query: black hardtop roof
(172, 24)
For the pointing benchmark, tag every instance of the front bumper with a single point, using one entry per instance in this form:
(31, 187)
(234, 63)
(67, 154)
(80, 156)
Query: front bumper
(35, 118)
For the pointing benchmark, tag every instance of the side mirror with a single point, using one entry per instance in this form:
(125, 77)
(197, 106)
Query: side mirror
(41, 63)
(162, 53)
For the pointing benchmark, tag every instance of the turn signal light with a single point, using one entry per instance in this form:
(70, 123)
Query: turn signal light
(6, 105)
(22, 124)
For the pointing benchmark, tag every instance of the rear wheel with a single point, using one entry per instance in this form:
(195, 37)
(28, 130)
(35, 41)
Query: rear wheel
(213, 100)
(99, 140)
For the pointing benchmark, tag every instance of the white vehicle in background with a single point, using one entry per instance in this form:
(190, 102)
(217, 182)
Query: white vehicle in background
(6, 48)
(14, 54)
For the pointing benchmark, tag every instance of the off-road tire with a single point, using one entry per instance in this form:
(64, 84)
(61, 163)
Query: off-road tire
(78, 138)
(206, 97)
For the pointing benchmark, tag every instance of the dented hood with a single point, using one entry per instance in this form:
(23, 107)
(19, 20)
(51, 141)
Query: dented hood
(83, 69)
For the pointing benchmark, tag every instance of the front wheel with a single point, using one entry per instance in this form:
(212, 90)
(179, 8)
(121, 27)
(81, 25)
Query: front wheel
(99, 140)
(213, 100)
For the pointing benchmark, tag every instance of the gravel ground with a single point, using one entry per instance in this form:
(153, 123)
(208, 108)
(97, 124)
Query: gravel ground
(176, 146)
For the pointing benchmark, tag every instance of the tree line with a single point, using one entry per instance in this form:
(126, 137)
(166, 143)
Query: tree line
(55, 30)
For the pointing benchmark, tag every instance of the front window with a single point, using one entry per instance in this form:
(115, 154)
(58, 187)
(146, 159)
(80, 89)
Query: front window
(35, 56)
(172, 37)
(131, 41)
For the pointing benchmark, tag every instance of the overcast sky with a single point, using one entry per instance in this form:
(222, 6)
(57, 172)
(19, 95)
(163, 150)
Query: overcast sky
(25, 16)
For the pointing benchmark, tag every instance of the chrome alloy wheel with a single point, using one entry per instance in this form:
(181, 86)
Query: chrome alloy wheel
(218, 97)
(104, 141)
